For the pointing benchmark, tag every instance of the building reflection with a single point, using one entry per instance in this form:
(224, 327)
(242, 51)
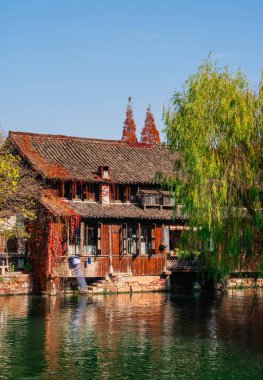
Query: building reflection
(152, 333)
(104, 331)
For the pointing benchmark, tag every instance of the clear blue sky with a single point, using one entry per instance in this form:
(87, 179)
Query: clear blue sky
(68, 66)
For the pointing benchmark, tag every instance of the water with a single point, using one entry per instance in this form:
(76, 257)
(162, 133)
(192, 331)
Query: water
(143, 336)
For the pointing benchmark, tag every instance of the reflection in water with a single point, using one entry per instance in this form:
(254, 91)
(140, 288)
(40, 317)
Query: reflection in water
(143, 336)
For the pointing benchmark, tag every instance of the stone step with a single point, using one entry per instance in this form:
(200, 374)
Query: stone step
(102, 281)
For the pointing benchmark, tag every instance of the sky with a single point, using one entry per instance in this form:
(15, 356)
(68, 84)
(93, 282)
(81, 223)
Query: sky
(69, 66)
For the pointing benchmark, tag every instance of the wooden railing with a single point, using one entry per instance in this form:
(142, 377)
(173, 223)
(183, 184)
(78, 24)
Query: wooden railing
(156, 199)
(243, 264)
(177, 265)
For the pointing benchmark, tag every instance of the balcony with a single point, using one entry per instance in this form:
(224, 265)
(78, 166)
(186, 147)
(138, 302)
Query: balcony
(182, 265)
(156, 198)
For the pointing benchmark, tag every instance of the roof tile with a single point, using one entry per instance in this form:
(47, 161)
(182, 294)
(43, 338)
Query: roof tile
(75, 158)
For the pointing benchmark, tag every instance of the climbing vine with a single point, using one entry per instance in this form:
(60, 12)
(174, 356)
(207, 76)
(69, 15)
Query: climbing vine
(75, 223)
(48, 245)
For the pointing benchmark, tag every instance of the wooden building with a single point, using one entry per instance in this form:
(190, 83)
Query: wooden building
(100, 201)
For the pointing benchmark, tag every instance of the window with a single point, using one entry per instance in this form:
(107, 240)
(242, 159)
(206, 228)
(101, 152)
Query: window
(77, 190)
(11, 245)
(84, 241)
(137, 239)
(134, 193)
(174, 237)
(91, 239)
(76, 241)
(105, 172)
(127, 193)
(90, 192)
(67, 190)
(130, 239)
(117, 193)
(145, 239)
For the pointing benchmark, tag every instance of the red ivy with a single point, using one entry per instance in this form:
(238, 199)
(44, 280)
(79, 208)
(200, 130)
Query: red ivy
(75, 223)
(51, 170)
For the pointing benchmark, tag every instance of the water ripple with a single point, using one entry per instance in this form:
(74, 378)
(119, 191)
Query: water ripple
(143, 336)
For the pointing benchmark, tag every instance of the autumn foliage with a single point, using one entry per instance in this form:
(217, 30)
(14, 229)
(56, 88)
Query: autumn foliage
(150, 134)
(129, 128)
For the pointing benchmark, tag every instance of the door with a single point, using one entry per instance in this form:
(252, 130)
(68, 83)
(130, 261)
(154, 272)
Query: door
(116, 239)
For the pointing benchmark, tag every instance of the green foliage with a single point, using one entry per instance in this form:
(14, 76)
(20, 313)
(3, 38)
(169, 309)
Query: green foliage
(215, 124)
(186, 255)
(18, 192)
(12, 267)
(28, 267)
(9, 176)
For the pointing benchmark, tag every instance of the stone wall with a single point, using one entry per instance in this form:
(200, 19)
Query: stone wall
(14, 284)
(128, 284)
(237, 283)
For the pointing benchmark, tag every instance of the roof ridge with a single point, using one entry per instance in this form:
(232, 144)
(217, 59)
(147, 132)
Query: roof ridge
(67, 137)
(95, 140)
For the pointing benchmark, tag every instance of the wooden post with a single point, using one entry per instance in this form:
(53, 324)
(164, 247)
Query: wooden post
(68, 236)
(110, 249)
(153, 247)
(139, 249)
(99, 245)
(82, 236)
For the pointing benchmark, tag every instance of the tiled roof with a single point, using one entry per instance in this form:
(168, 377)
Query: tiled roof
(64, 157)
(109, 211)
(120, 211)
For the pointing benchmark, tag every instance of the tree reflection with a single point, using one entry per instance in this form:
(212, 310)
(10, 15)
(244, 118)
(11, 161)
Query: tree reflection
(145, 336)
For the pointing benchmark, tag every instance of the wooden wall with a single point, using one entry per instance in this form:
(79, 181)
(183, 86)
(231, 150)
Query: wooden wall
(158, 237)
(105, 240)
(135, 266)
(112, 260)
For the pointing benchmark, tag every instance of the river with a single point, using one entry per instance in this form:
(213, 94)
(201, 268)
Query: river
(139, 336)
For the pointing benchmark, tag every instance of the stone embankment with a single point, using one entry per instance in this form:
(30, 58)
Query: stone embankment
(15, 284)
(123, 283)
(238, 283)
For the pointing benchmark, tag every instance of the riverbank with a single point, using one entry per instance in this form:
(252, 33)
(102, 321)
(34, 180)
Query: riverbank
(22, 284)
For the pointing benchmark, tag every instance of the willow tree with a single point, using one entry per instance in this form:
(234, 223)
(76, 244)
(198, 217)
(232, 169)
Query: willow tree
(215, 124)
